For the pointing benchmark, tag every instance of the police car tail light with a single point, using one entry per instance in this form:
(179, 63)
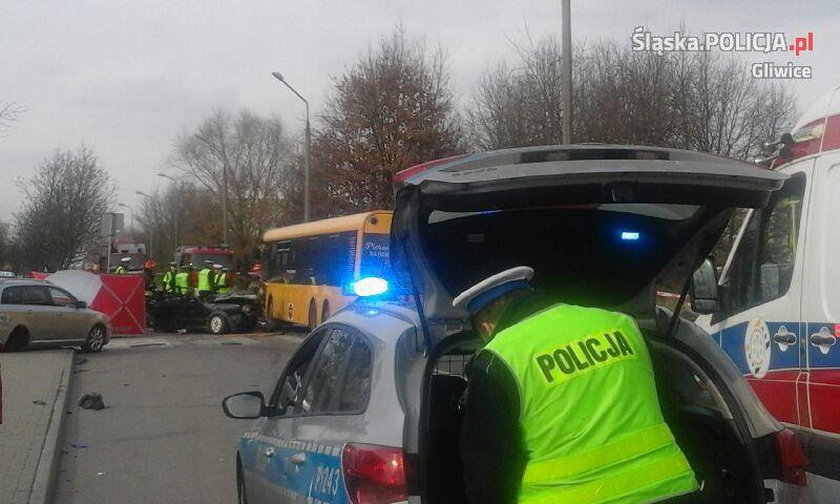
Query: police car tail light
(374, 474)
(791, 457)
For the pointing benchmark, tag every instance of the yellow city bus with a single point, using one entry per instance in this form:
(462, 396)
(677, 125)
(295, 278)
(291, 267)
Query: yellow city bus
(307, 268)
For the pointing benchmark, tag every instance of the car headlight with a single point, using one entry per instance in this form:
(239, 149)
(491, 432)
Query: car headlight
(246, 309)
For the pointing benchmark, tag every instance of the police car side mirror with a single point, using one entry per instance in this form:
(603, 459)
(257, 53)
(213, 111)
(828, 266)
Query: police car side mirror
(80, 305)
(705, 298)
(244, 405)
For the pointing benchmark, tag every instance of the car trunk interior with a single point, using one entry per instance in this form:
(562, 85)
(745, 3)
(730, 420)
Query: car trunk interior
(692, 404)
(603, 255)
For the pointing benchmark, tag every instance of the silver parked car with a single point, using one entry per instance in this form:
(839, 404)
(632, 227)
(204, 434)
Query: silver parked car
(368, 408)
(37, 313)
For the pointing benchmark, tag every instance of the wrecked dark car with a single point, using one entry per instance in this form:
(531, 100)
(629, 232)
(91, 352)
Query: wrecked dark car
(234, 313)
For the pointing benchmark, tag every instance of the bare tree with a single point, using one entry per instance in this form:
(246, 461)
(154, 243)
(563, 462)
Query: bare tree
(391, 110)
(191, 209)
(62, 210)
(10, 112)
(251, 156)
(522, 105)
(699, 101)
(6, 258)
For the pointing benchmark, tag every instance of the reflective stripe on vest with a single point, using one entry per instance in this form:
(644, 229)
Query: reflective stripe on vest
(634, 445)
(590, 415)
(628, 486)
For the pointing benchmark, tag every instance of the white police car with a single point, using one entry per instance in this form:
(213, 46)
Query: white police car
(367, 409)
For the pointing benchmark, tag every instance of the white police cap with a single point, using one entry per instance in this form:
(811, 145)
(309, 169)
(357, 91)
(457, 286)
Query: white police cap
(125, 259)
(484, 292)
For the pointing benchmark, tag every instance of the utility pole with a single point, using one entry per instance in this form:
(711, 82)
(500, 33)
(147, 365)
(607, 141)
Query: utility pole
(567, 71)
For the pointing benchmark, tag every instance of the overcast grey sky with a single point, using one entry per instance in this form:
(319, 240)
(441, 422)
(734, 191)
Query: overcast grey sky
(127, 77)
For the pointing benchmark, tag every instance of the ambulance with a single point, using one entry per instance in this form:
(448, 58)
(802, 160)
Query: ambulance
(775, 310)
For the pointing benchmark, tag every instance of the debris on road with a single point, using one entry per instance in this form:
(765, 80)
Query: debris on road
(40, 403)
(78, 444)
(92, 401)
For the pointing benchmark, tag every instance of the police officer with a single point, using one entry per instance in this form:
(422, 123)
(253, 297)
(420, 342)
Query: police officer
(205, 280)
(182, 281)
(561, 405)
(169, 284)
(221, 279)
(122, 268)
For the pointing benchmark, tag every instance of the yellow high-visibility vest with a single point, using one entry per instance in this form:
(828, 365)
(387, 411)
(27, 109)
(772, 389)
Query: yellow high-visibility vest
(221, 283)
(591, 420)
(182, 282)
(204, 283)
(169, 282)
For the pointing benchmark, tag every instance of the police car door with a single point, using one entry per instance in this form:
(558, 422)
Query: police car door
(758, 325)
(311, 469)
(264, 448)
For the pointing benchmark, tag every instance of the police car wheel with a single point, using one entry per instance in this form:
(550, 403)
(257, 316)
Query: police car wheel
(240, 485)
(217, 323)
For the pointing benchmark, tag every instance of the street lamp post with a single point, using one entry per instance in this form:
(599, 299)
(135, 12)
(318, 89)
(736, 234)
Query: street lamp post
(308, 134)
(177, 205)
(145, 203)
(567, 72)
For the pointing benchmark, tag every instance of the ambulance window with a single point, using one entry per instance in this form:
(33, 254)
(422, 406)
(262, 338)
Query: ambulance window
(762, 268)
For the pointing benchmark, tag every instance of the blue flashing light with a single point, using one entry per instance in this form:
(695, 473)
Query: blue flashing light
(370, 286)
(630, 235)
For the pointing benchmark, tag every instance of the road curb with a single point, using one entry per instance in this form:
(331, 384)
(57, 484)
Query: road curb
(46, 475)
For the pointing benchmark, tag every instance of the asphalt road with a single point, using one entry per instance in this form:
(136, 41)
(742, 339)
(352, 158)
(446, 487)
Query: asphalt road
(162, 437)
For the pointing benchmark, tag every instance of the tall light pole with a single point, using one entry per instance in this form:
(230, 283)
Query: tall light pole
(567, 71)
(145, 204)
(279, 76)
(130, 215)
(177, 204)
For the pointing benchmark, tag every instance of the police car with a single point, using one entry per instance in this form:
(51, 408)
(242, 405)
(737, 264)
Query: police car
(368, 408)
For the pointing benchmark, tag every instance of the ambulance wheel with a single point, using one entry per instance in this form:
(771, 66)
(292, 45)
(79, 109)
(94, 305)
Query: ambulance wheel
(218, 323)
(313, 316)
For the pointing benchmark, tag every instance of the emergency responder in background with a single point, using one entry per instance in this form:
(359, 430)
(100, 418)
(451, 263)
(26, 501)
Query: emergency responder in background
(206, 280)
(221, 278)
(561, 404)
(149, 274)
(122, 268)
(169, 284)
(182, 281)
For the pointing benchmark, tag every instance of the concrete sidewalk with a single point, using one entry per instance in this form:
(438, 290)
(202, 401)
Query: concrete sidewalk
(34, 395)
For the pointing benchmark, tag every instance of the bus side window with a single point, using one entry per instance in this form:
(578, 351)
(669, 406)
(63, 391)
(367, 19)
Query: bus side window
(762, 268)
